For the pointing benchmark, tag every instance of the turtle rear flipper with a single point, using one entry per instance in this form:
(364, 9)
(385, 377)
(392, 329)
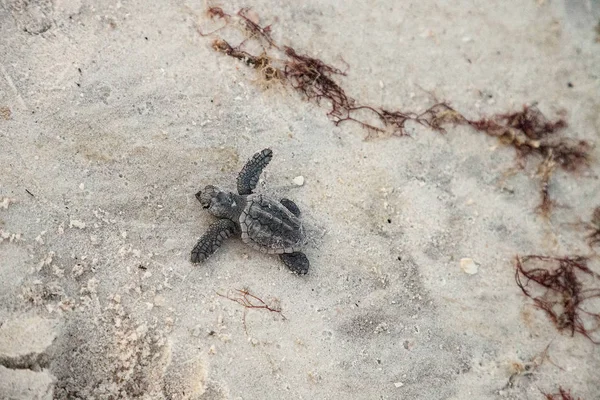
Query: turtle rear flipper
(248, 176)
(297, 262)
(212, 239)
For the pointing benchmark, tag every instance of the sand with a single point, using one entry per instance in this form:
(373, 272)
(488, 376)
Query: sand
(114, 114)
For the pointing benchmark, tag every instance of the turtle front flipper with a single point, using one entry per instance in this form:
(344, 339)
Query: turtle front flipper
(290, 205)
(248, 177)
(212, 239)
(296, 262)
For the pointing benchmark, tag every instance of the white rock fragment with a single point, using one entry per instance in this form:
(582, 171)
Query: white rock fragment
(81, 186)
(298, 181)
(76, 224)
(398, 384)
(469, 266)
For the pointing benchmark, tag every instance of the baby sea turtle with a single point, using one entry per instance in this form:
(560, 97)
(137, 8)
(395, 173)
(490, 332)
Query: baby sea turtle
(263, 223)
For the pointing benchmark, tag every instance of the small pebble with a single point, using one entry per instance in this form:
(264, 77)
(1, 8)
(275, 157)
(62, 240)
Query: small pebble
(299, 180)
(398, 384)
(76, 224)
(468, 266)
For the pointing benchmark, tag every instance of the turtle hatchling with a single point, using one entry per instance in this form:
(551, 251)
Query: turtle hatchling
(264, 223)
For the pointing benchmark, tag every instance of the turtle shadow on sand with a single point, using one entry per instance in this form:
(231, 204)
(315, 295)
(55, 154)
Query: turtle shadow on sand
(262, 222)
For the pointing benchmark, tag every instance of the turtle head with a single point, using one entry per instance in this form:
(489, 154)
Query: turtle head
(220, 204)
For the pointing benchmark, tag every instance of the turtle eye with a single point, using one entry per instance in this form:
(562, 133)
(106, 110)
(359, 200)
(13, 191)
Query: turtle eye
(204, 198)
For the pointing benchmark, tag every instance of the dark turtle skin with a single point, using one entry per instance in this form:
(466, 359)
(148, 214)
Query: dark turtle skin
(262, 222)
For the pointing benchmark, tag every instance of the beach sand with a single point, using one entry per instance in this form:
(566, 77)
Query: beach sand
(114, 114)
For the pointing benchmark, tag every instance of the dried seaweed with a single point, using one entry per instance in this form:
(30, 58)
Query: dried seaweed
(313, 79)
(564, 293)
(215, 13)
(545, 170)
(528, 131)
(255, 30)
(248, 300)
(562, 394)
(527, 369)
(594, 227)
